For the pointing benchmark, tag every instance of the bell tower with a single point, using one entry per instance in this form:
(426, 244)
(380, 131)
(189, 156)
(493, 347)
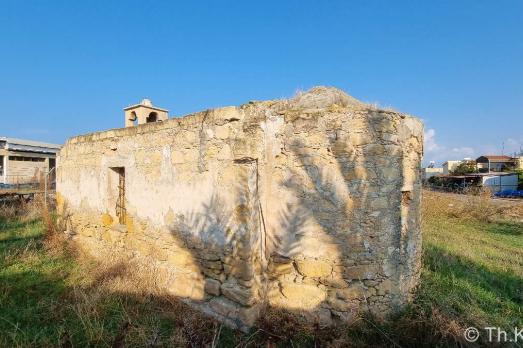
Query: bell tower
(144, 112)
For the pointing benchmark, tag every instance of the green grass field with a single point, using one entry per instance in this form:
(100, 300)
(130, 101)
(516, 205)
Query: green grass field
(472, 276)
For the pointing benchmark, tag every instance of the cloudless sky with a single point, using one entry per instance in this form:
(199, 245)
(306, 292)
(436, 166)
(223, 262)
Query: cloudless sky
(69, 67)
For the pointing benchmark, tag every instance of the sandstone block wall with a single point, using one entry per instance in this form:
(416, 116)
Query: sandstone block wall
(310, 205)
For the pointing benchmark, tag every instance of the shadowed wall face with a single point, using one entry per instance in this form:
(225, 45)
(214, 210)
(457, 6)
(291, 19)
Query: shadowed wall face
(310, 205)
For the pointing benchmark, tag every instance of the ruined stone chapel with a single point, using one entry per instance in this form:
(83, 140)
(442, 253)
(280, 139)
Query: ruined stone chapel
(309, 205)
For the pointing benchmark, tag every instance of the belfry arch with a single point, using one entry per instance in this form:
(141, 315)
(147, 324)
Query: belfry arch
(144, 112)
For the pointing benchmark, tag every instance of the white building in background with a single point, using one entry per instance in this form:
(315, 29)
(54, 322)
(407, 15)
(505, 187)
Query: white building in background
(495, 182)
(25, 161)
(429, 172)
(449, 166)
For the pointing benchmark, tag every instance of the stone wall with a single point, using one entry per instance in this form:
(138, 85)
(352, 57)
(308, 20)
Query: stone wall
(310, 205)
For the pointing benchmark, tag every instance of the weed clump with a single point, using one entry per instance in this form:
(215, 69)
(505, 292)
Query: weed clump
(479, 206)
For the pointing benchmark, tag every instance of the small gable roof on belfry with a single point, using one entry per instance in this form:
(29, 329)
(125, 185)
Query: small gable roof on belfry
(144, 112)
(145, 103)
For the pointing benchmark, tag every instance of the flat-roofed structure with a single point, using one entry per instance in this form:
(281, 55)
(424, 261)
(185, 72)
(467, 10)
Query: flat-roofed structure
(25, 161)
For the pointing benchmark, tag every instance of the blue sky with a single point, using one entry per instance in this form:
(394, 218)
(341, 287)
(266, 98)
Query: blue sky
(68, 68)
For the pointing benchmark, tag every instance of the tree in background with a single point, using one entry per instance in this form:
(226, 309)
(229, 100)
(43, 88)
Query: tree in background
(520, 178)
(465, 167)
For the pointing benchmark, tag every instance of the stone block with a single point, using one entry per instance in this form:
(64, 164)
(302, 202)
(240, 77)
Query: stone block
(354, 292)
(355, 242)
(212, 152)
(380, 203)
(224, 153)
(106, 220)
(374, 150)
(249, 315)
(241, 270)
(239, 294)
(359, 139)
(129, 224)
(390, 173)
(281, 259)
(222, 132)
(300, 296)
(357, 124)
(181, 284)
(342, 305)
(345, 317)
(313, 268)
(384, 125)
(276, 269)
(385, 287)
(224, 306)
(190, 137)
(214, 274)
(215, 265)
(208, 255)
(334, 282)
(246, 283)
(361, 272)
(227, 114)
(180, 258)
(212, 287)
(177, 157)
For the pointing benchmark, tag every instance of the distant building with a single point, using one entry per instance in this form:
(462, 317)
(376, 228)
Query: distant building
(495, 163)
(25, 161)
(429, 172)
(493, 181)
(500, 181)
(449, 166)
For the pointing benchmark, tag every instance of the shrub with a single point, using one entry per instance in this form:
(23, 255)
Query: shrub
(465, 167)
(479, 206)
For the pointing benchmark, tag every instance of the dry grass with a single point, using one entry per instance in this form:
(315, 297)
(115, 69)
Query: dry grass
(8, 211)
(22, 209)
(479, 206)
(375, 106)
(142, 306)
(514, 212)
(27, 211)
